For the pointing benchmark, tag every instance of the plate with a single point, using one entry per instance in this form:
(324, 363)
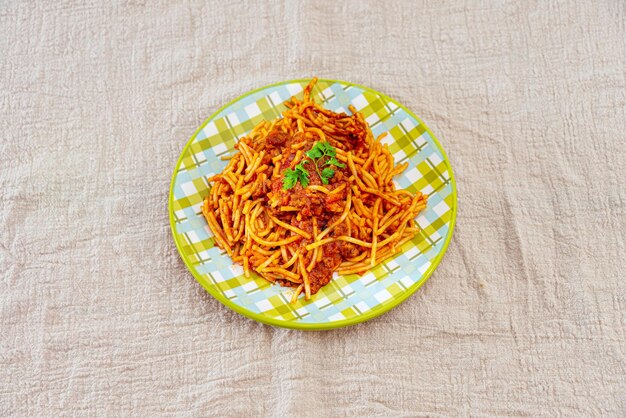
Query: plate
(346, 300)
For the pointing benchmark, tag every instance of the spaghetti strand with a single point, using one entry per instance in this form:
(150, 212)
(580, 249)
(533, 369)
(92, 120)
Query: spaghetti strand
(339, 211)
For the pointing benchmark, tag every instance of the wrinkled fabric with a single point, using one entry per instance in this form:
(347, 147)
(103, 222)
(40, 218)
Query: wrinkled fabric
(524, 316)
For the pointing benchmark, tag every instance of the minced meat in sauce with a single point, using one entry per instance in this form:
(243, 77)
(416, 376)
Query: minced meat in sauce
(325, 207)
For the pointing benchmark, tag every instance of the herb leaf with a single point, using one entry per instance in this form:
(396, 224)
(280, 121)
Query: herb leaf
(304, 180)
(290, 179)
(327, 174)
(327, 149)
(335, 162)
(315, 155)
(315, 152)
(300, 168)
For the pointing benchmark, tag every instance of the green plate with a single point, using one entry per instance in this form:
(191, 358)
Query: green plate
(346, 300)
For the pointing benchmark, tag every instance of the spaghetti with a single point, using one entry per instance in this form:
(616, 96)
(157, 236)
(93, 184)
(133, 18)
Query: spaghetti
(309, 194)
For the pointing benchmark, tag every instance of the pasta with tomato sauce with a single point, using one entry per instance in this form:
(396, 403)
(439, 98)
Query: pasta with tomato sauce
(310, 194)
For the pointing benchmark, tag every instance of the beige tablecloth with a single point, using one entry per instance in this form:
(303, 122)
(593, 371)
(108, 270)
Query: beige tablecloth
(525, 315)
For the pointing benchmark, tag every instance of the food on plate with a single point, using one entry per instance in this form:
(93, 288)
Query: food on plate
(310, 194)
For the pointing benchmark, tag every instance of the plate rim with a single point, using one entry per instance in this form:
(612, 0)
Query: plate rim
(313, 326)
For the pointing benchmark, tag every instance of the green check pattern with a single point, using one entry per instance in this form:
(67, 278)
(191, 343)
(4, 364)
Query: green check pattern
(347, 299)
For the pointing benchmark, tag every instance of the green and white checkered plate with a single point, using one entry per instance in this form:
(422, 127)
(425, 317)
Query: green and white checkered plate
(348, 299)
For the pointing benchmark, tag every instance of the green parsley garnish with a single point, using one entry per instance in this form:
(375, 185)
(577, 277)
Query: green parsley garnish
(322, 155)
(293, 176)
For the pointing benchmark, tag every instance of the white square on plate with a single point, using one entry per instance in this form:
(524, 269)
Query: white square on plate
(382, 296)
(372, 119)
(233, 119)
(362, 306)
(252, 110)
(275, 98)
(322, 302)
(219, 148)
(264, 305)
(193, 237)
(294, 89)
(441, 208)
(336, 317)
(407, 124)
(188, 188)
(248, 286)
(359, 102)
(435, 159)
(210, 130)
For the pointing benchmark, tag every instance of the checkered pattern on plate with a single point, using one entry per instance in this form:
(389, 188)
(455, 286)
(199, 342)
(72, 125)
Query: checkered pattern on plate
(346, 298)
